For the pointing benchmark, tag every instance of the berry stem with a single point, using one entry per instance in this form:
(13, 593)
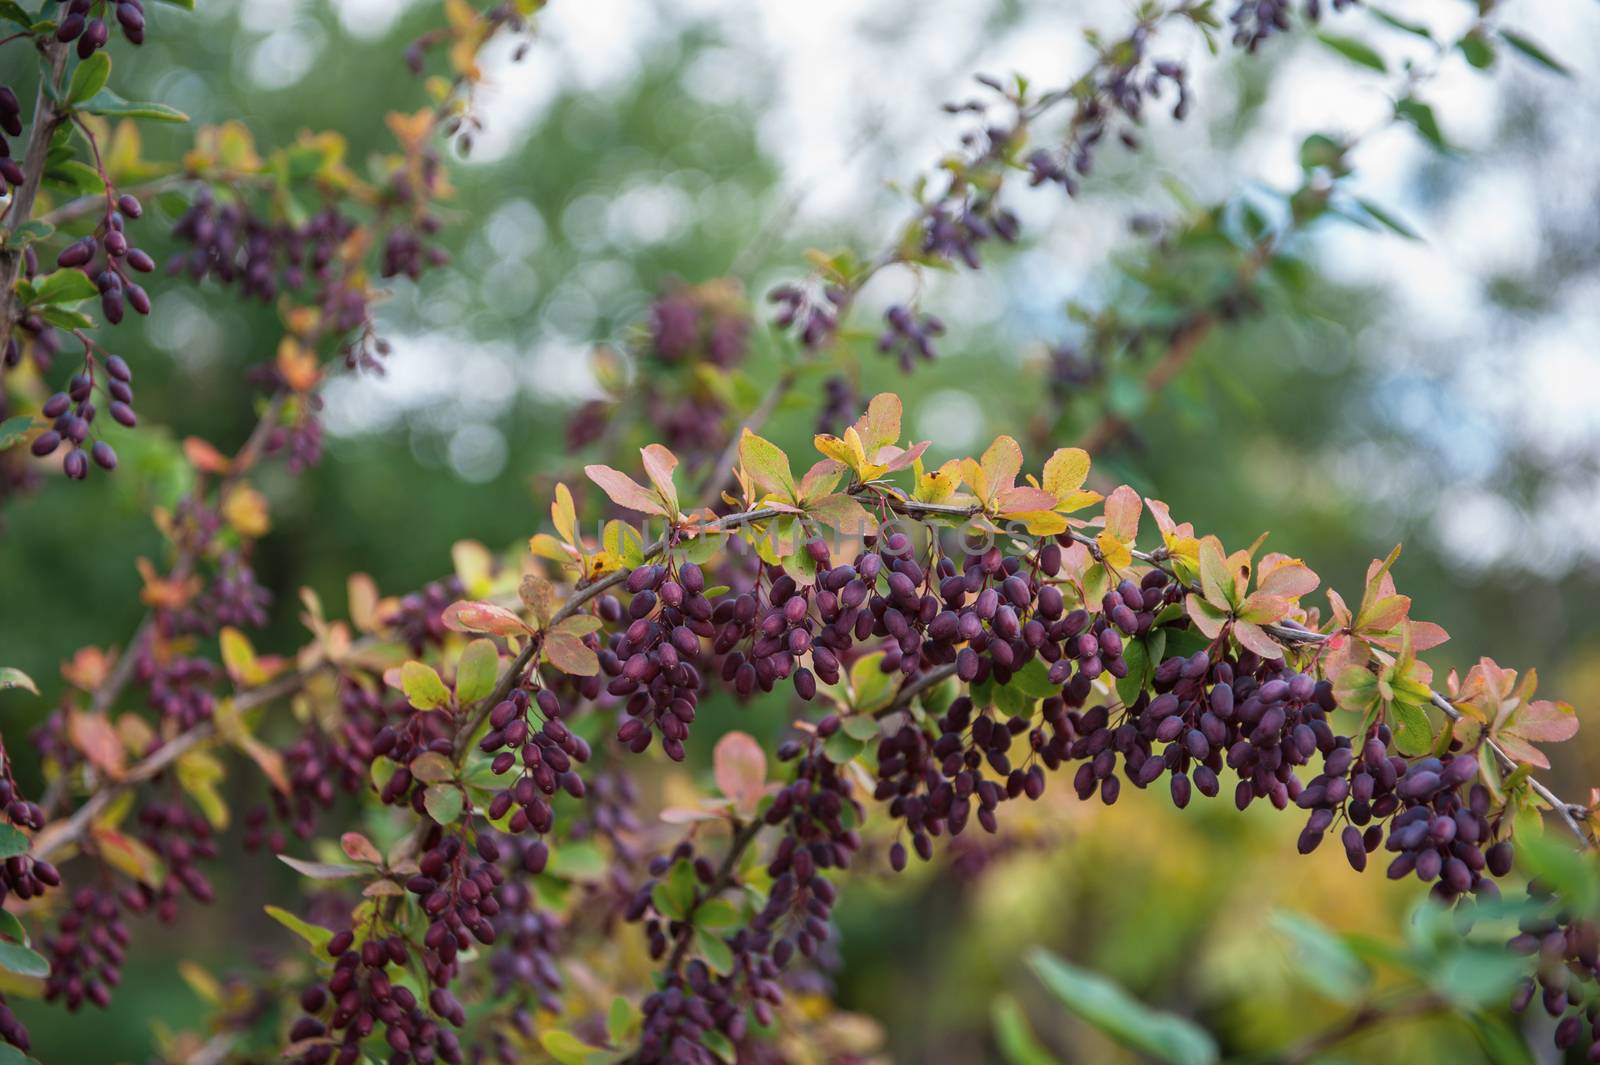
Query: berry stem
(46, 116)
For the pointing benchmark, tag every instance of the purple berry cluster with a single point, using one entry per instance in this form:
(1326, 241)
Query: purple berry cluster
(73, 412)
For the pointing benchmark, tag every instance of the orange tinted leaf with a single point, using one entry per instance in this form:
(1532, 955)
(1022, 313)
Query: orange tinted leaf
(880, 426)
(842, 512)
(1023, 499)
(658, 466)
(1286, 577)
(1123, 508)
(1263, 609)
(625, 491)
(740, 768)
(203, 457)
(823, 477)
(570, 654)
(128, 855)
(1251, 637)
(96, 737)
(469, 616)
(359, 848)
(1207, 618)
(1001, 464)
(431, 767)
(1546, 721)
(540, 596)
(1521, 751)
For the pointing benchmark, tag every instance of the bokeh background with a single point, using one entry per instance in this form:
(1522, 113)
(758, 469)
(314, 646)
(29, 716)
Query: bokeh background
(1444, 392)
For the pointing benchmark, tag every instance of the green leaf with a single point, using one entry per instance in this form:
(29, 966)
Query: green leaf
(1356, 51)
(1164, 1036)
(63, 286)
(1321, 150)
(476, 672)
(1478, 51)
(187, 5)
(1404, 25)
(1018, 1044)
(1502, 1044)
(322, 870)
(565, 1047)
(10, 676)
(1388, 220)
(675, 892)
(444, 803)
(66, 318)
(106, 102)
(720, 1045)
(1033, 679)
(90, 77)
(717, 954)
(1476, 975)
(17, 958)
(29, 232)
(716, 915)
(1325, 961)
(1413, 729)
(12, 842)
(423, 687)
(1534, 51)
(862, 727)
(842, 748)
(871, 688)
(622, 1021)
(12, 432)
(1137, 655)
(11, 927)
(314, 934)
(767, 466)
(577, 860)
(80, 177)
(1421, 116)
(13, 12)
(1573, 876)
(10, 1055)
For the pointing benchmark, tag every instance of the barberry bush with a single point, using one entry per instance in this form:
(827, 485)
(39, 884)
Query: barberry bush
(878, 657)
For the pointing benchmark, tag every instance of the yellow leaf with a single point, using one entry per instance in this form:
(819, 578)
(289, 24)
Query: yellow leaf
(938, 486)
(474, 565)
(362, 593)
(1065, 471)
(565, 516)
(1117, 555)
(246, 511)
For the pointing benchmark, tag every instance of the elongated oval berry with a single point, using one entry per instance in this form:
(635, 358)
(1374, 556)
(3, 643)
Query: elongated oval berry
(76, 254)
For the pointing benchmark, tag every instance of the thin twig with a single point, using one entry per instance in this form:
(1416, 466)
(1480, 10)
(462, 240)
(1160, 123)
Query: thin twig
(1365, 1018)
